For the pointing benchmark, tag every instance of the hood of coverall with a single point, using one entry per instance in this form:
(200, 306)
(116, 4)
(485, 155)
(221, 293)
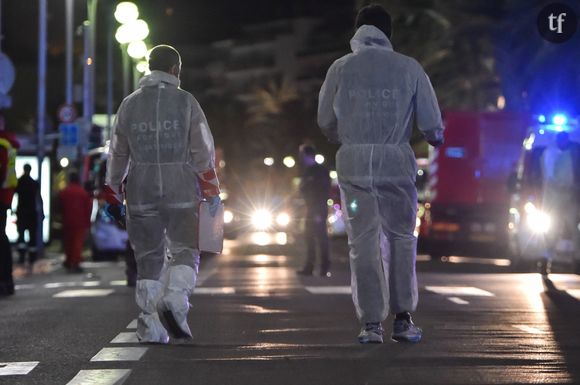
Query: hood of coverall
(368, 36)
(156, 77)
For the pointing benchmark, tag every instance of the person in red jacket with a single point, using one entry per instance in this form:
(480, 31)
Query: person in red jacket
(76, 205)
(8, 147)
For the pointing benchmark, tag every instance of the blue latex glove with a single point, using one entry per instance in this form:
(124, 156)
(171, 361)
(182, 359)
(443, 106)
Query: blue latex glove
(117, 212)
(214, 204)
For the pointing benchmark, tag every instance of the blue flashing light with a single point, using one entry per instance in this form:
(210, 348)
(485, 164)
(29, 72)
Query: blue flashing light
(559, 119)
(542, 132)
(542, 118)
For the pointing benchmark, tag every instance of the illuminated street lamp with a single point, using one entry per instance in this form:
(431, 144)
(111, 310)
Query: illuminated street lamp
(289, 162)
(319, 158)
(126, 12)
(137, 49)
(133, 31)
(269, 161)
(142, 67)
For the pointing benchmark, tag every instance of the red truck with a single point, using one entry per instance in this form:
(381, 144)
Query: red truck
(466, 207)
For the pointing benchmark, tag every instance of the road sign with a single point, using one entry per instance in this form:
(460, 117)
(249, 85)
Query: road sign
(7, 74)
(69, 134)
(66, 113)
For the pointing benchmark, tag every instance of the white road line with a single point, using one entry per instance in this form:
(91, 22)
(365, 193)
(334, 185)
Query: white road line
(100, 377)
(120, 282)
(574, 293)
(132, 324)
(119, 354)
(458, 301)
(328, 289)
(529, 329)
(91, 283)
(459, 290)
(55, 285)
(17, 368)
(25, 286)
(83, 293)
(125, 338)
(214, 290)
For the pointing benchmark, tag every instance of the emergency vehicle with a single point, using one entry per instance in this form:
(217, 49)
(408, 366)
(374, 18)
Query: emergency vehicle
(530, 224)
(466, 200)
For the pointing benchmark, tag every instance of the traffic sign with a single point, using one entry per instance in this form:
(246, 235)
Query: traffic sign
(7, 74)
(66, 113)
(69, 134)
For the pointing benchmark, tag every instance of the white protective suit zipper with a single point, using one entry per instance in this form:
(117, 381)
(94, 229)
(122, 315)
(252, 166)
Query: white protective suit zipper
(157, 137)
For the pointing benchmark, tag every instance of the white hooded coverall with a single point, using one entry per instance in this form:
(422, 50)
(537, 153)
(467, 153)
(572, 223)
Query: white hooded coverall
(367, 103)
(161, 143)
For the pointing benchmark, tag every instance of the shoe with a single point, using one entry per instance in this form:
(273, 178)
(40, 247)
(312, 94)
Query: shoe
(371, 333)
(404, 330)
(172, 310)
(6, 289)
(305, 271)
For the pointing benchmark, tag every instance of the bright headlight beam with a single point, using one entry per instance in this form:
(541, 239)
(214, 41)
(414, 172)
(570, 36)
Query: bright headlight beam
(559, 119)
(261, 219)
(228, 216)
(283, 219)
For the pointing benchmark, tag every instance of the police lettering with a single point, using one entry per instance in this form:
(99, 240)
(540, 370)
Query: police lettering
(165, 125)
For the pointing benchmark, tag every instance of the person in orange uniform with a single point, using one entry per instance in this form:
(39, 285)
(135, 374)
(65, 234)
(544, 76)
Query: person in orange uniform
(76, 206)
(8, 182)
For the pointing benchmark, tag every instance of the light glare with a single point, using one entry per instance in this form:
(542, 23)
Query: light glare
(137, 49)
(126, 12)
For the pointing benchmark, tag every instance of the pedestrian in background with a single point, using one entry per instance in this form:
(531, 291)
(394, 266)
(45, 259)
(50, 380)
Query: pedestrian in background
(315, 189)
(76, 206)
(29, 203)
(368, 103)
(8, 182)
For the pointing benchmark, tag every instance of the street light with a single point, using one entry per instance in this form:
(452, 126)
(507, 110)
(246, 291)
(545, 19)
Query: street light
(134, 31)
(137, 49)
(143, 67)
(126, 12)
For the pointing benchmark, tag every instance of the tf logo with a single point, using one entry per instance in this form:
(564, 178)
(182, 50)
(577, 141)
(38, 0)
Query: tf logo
(557, 22)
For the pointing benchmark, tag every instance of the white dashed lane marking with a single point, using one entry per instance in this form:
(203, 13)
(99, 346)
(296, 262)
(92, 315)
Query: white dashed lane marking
(467, 291)
(125, 338)
(328, 289)
(214, 290)
(120, 282)
(458, 301)
(529, 329)
(119, 354)
(100, 377)
(132, 324)
(16, 368)
(84, 293)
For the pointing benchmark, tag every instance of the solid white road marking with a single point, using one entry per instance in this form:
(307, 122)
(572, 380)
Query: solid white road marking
(16, 368)
(328, 289)
(459, 290)
(125, 338)
(214, 290)
(132, 324)
(458, 301)
(91, 283)
(24, 286)
(529, 329)
(55, 285)
(100, 377)
(120, 282)
(83, 293)
(119, 354)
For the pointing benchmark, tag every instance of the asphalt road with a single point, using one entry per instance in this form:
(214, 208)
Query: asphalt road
(255, 322)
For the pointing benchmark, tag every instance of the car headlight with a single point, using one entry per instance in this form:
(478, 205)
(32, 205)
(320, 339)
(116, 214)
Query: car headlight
(261, 219)
(283, 219)
(537, 220)
(228, 216)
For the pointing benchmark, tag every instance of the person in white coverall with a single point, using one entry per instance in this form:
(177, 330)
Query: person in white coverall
(162, 151)
(368, 103)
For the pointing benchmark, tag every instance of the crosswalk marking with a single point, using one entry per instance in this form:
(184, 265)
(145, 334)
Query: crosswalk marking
(132, 324)
(125, 338)
(459, 290)
(25, 286)
(458, 301)
(529, 329)
(119, 282)
(119, 354)
(84, 293)
(214, 290)
(16, 368)
(56, 285)
(100, 377)
(328, 289)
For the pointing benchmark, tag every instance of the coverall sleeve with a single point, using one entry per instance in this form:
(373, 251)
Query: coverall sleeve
(119, 153)
(327, 120)
(203, 152)
(427, 109)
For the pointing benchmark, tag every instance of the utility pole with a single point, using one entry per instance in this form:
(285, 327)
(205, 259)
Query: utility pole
(69, 51)
(41, 112)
